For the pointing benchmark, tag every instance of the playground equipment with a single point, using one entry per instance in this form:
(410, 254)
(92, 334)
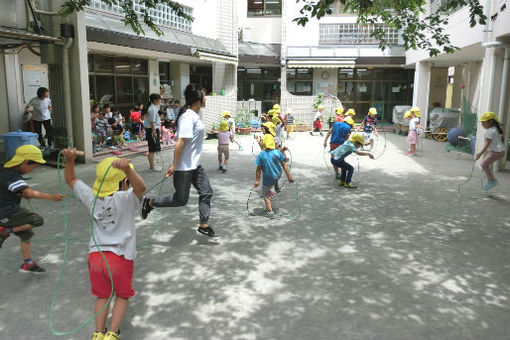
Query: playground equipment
(400, 124)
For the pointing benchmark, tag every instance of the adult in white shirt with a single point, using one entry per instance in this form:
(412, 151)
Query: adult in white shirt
(152, 130)
(186, 167)
(41, 106)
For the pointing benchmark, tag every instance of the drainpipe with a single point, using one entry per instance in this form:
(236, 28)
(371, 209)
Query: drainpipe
(485, 32)
(67, 87)
(504, 110)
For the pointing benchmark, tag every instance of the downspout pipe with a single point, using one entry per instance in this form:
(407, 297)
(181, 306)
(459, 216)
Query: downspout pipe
(66, 80)
(504, 107)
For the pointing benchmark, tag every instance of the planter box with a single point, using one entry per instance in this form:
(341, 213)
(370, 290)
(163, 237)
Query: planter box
(302, 128)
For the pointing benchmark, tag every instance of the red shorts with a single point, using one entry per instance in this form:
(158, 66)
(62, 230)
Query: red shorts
(317, 124)
(122, 273)
(333, 146)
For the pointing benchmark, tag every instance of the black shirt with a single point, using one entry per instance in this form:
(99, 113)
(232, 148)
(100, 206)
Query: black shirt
(11, 189)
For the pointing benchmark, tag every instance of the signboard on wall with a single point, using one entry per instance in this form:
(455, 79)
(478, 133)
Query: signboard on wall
(34, 76)
(326, 88)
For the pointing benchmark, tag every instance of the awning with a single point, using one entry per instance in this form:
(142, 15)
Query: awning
(216, 58)
(321, 63)
(20, 34)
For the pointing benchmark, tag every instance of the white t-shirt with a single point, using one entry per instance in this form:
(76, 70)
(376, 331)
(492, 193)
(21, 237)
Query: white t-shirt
(108, 115)
(114, 220)
(41, 108)
(232, 124)
(412, 123)
(153, 116)
(190, 127)
(495, 137)
(317, 115)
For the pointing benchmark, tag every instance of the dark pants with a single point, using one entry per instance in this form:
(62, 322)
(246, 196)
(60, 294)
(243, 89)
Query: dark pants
(21, 217)
(347, 169)
(49, 131)
(182, 185)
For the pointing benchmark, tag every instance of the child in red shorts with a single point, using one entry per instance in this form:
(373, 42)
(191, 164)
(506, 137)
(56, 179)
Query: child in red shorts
(114, 234)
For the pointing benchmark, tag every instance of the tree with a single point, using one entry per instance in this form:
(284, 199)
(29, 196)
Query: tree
(130, 16)
(418, 29)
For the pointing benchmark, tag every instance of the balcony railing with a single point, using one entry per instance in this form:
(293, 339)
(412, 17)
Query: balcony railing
(355, 34)
(162, 15)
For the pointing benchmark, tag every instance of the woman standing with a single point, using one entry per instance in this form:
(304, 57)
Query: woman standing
(152, 130)
(186, 167)
(42, 115)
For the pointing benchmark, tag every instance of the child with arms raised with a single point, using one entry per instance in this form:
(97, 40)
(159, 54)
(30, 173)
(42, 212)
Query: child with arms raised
(114, 234)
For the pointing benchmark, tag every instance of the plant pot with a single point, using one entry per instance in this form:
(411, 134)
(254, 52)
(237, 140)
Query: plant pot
(244, 131)
(302, 128)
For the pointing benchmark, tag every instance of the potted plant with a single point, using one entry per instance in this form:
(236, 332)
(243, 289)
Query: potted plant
(243, 118)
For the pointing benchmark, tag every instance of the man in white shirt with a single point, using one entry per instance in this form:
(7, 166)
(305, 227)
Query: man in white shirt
(41, 106)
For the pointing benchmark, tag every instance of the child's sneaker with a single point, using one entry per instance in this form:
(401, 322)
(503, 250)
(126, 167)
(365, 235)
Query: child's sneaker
(277, 188)
(111, 336)
(4, 234)
(341, 183)
(490, 184)
(223, 171)
(146, 208)
(350, 186)
(31, 268)
(208, 232)
(410, 154)
(270, 214)
(98, 336)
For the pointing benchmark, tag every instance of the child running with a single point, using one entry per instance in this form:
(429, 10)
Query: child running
(339, 133)
(317, 120)
(232, 126)
(114, 233)
(289, 122)
(14, 218)
(339, 114)
(339, 154)
(494, 144)
(369, 127)
(223, 143)
(270, 162)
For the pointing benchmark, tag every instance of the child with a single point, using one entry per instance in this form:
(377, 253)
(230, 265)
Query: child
(412, 136)
(223, 143)
(369, 126)
(116, 114)
(289, 122)
(339, 114)
(339, 133)
(107, 111)
(351, 113)
(232, 126)
(16, 219)
(41, 116)
(114, 233)
(117, 135)
(278, 131)
(494, 143)
(339, 154)
(168, 132)
(317, 120)
(136, 126)
(101, 129)
(270, 162)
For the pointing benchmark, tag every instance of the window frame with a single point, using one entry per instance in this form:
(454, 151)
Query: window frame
(252, 9)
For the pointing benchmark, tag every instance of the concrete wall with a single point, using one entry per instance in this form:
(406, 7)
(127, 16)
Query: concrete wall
(438, 82)
(263, 30)
(203, 11)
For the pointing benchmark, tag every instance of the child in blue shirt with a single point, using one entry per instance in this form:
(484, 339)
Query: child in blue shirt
(344, 150)
(339, 133)
(270, 162)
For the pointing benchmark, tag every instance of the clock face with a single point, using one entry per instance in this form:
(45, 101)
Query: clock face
(325, 75)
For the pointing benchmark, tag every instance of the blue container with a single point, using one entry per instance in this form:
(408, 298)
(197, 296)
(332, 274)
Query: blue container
(14, 140)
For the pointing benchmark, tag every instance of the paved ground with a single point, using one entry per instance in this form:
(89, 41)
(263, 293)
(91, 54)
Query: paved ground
(402, 257)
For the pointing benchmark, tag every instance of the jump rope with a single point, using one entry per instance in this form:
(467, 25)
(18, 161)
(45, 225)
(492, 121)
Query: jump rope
(470, 177)
(67, 240)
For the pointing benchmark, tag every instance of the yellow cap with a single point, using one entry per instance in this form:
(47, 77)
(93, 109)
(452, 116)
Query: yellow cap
(339, 110)
(276, 107)
(25, 153)
(320, 107)
(351, 112)
(484, 118)
(268, 142)
(372, 111)
(271, 128)
(415, 109)
(276, 120)
(349, 121)
(407, 114)
(224, 126)
(226, 113)
(270, 112)
(112, 179)
(357, 138)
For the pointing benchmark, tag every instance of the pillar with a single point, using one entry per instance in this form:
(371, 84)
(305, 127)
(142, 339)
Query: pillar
(154, 76)
(456, 89)
(422, 88)
(179, 74)
(13, 83)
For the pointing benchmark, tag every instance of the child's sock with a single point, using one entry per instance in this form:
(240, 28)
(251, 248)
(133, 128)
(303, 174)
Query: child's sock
(224, 166)
(28, 261)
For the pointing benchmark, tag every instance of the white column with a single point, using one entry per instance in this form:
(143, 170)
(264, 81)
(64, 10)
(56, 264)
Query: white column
(421, 91)
(504, 104)
(13, 87)
(153, 76)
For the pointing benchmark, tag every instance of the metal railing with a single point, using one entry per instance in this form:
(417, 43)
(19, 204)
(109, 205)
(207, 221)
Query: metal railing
(162, 15)
(355, 34)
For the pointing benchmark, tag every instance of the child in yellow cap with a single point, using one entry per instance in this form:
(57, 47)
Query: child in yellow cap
(14, 218)
(369, 127)
(317, 120)
(223, 146)
(414, 126)
(339, 111)
(339, 154)
(114, 233)
(494, 144)
(270, 162)
(232, 127)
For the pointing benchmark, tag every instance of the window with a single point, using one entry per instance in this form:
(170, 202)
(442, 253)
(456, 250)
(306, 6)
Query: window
(118, 80)
(164, 72)
(261, 84)
(355, 34)
(201, 75)
(299, 81)
(264, 7)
